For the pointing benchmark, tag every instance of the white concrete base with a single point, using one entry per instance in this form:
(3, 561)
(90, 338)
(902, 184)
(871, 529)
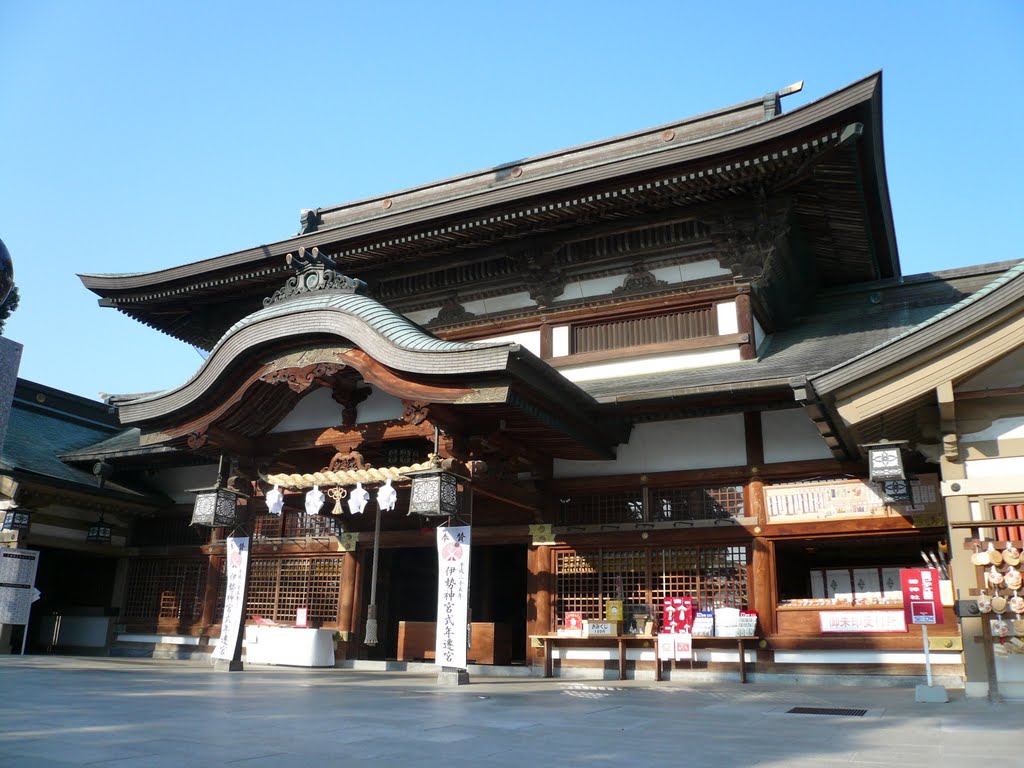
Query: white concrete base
(451, 676)
(930, 694)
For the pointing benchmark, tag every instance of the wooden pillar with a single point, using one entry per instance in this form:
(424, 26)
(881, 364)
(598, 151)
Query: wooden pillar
(979, 662)
(540, 583)
(546, 341)
(745, 323)
(762, 593)
(346, 604)
(213, 566)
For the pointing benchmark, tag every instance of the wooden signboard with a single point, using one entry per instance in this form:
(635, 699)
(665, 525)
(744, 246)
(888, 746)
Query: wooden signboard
(846, 499)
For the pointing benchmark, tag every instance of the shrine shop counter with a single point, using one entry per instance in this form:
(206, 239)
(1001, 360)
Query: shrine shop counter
(622, 642)
(289, 646)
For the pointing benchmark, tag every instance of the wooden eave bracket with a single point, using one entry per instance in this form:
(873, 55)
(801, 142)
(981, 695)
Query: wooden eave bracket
(828, 424)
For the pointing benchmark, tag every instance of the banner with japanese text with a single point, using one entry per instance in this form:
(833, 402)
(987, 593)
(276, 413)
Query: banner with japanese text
(237, 551)
(17, 579)
(452, 595)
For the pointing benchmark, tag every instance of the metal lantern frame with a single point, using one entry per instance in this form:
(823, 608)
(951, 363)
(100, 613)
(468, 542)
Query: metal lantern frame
(885, 460)
(16, 520)
(99, 532)
(434, 493)
(215, 507)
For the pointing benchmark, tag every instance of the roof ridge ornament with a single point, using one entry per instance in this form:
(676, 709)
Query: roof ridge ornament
(314, 272)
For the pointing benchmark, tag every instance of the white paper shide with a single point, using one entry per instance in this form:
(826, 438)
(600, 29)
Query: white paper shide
(452, 595)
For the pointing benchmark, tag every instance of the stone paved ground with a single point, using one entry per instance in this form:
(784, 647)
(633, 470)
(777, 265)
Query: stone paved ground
(130, 713)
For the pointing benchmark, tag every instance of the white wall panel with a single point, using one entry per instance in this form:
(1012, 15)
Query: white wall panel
(790, 436)
(639, 366)
(728, 322)
(315, 410)
(661, 446)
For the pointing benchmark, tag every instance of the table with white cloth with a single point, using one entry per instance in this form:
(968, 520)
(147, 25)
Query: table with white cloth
(289, 646)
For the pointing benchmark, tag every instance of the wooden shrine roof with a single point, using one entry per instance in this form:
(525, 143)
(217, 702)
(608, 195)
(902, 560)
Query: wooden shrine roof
(267, 361)
(826, 156)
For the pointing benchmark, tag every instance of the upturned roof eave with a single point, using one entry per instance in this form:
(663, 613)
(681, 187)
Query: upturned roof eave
(864, 91)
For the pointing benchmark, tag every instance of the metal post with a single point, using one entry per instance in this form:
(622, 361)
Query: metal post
(927, 655)
(371, 611)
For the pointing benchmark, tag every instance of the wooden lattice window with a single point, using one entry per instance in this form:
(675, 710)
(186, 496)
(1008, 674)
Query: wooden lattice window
(642, 578)
(661, 505)
(638, 331)
(715, 576)
(267, 526)
(278, 586)
(717, 503)
(165, 589)
(297, 524)
(624, 507)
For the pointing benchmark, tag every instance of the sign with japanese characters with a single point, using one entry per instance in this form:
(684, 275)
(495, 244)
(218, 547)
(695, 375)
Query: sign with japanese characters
(675, 647)
(452, 595)
(17, 578)
(237, 551)
(921, 601)
(677, 614)
(862, 621)
(843, 499)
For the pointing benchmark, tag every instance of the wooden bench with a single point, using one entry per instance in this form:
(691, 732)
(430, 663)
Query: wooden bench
(549, 642)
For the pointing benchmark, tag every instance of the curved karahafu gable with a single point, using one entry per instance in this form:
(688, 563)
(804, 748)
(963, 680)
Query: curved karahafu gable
(319, 338)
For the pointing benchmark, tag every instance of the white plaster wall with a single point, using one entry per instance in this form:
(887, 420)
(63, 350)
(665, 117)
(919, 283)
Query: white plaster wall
(640, 366)
(728, 322)
(790, 436)
(1009, 428)
(423, 316)
(1009, 466)
(661, 446)
(173, 481)
(380, 406)
(317, 409)
(528, 339)
(597, 286)
(560, 341)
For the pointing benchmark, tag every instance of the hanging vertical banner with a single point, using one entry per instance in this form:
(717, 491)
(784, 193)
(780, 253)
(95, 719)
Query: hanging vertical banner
(17, 578)
(452, 596)
(234, 597)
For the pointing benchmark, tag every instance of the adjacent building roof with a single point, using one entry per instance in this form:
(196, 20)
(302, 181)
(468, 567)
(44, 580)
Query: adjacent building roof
(46, 423)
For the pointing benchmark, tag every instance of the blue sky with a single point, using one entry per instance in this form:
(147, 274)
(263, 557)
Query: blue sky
(136, 136)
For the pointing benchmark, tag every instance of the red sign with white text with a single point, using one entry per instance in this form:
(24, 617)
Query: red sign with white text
(921, 601)
(677, 615)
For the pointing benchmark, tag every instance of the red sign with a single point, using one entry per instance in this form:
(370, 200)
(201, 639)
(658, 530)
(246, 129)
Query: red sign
(921, 601)
(677, 615)
(574, 620)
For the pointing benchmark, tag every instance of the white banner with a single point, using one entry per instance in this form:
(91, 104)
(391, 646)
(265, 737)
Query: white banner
(17, 578)
(237, 551)
(452, 596)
